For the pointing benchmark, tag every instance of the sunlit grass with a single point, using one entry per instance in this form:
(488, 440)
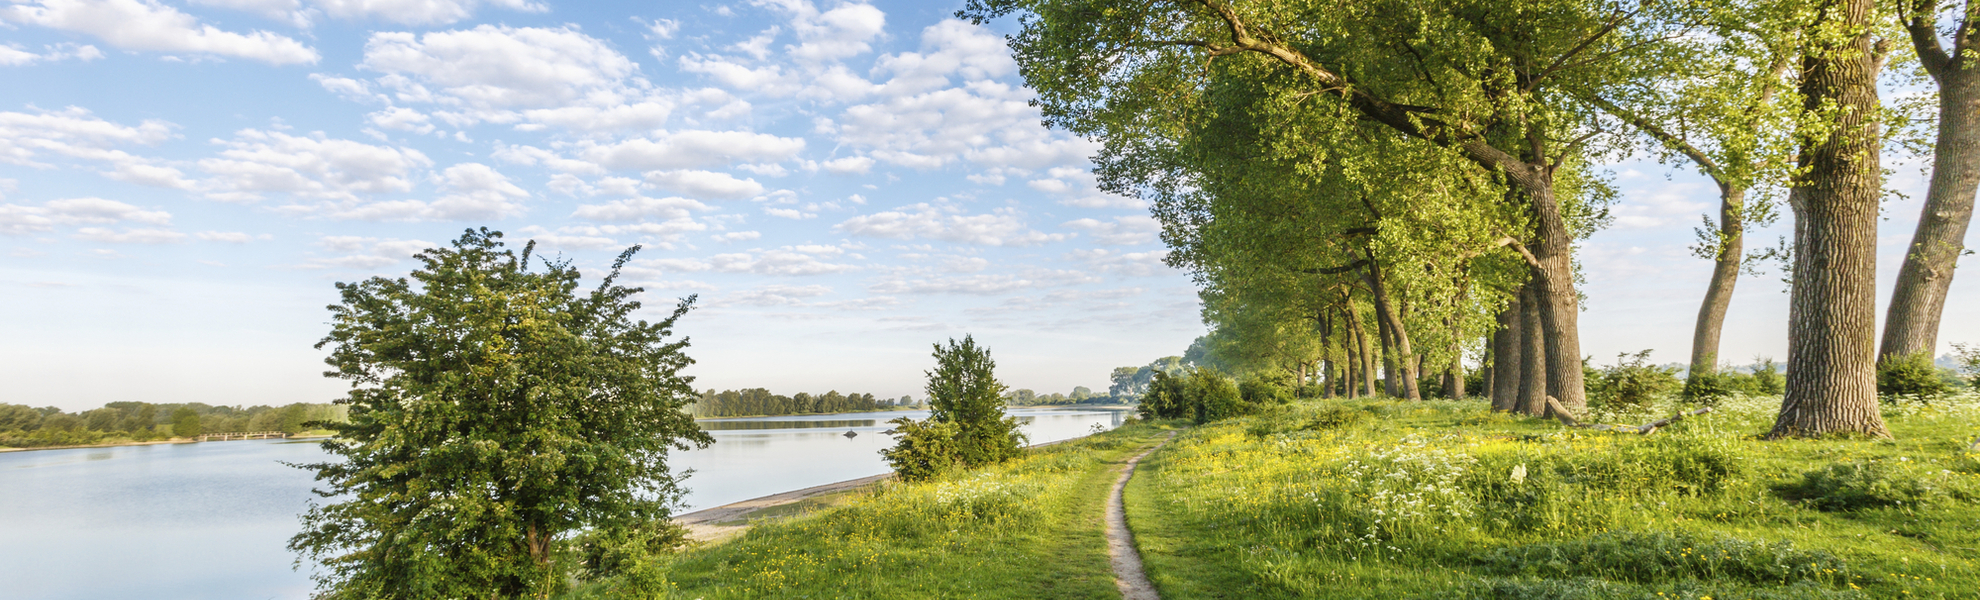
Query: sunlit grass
(1442, 499)
(1031, 528)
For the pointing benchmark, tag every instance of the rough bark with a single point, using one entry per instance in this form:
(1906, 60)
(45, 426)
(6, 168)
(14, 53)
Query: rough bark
(1533, 382)
(1725, 276)
(1911, 324)
(1831, 380)
(1486, 369)
(1508, 355)
(1454, 378)
(1388, 349)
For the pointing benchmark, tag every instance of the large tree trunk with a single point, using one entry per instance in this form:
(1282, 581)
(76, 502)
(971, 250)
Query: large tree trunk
(1486, 370)
(1832, 318)
(1388, 353)
(1911, 324)
(1405, 359)
(1725, 275)
(1560, 311)
(1454, 378)
(1508, 362)
(1533, 383)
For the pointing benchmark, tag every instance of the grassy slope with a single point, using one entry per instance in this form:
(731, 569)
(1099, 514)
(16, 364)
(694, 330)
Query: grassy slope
(1028, 529)
(1399, 500)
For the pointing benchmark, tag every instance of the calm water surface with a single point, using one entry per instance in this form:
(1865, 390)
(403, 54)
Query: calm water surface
(212, 520)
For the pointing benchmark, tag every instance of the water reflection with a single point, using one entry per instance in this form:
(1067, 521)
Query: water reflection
(212, 520)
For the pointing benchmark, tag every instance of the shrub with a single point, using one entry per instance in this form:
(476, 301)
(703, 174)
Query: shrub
(1767, 379)
(1263, 392)
(1337, 417)
(1165, 399)
(1969, 363)
(1632, 382)
(924, 450)
(1912, 376)
(1709, 388)
(1214, 396)
(1860, 485)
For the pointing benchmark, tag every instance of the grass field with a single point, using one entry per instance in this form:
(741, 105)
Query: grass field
(1031, 528)
(1387, 499)
(1444, 499)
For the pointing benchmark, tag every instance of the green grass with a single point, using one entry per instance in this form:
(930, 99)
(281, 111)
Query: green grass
(1031, 528)
(1446, 500)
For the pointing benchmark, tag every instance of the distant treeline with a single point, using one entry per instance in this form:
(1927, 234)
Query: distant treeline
(760, 402)
(1079, 395)
(24, 426)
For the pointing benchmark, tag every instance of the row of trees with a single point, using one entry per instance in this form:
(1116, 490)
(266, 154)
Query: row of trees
(1383, 186)
(1080, 394)
(26, 426)
(760, 402)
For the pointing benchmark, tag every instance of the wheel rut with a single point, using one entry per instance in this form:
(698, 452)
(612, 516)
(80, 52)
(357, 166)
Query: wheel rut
(1128, 574)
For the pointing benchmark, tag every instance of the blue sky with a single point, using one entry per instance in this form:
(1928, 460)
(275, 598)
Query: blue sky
(842, 183)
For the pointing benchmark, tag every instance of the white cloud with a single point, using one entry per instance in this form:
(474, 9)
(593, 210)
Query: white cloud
(769, 80)
(705, 184)
(949, 48)
(848, 165)
(974, 284)
(148, 25)
(12, 55)
(1122, 231)
(366, 252)
(1003, 227)
(1132, 264)
(231, 237)
(835, 34)
(736, 236)
(776, 295)
(477, 192)
(533, 77)
(402, 119)
(129, 236)
(694, 148)
(417, 12)
(635, 209)
(1077, 187)
(786, 261)
(27, 138)
(788, 213)
(19, 220)
(261, 162)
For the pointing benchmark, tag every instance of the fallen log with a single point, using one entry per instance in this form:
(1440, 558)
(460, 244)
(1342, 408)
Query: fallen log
(1560, 412)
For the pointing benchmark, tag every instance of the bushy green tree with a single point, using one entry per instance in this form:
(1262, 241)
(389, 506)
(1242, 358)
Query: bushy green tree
(966, 425)
(185, 422)
(495, 411)
(1633, 381)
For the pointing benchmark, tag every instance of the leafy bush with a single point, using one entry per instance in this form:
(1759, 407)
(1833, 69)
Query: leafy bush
(1263, 392)
(1632, 382)
(1214, 396)
(1860, 485)
(1660, 556)
(924, 450)
(1767, 378)
(1337, 417)
(1911, 377)
(1709, 388)
(1165, 399)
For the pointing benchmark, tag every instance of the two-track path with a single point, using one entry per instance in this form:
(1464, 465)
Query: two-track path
(1128, 575)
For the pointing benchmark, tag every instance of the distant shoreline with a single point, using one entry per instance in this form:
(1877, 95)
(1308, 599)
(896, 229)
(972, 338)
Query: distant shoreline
(151, 443)
(897, 408)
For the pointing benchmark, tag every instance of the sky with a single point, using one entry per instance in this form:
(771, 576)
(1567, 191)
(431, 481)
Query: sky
(841, 184)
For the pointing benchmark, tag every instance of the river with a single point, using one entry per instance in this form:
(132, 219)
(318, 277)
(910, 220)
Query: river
(212, 520)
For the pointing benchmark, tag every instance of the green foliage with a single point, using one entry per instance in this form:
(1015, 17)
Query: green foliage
(1910, 377)
(1631, 382)
(966, 426)
(1968, 358)
(760, 402)
(1656, 556)
(1214, 396)
(185, 422)
(926, 450)
(1166, 399)
(495, 411)
(1264, 392)
(1859, 485)
(1205, 395)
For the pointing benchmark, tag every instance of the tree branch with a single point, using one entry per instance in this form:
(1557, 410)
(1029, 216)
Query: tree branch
(1921, 21)
(1671, 140)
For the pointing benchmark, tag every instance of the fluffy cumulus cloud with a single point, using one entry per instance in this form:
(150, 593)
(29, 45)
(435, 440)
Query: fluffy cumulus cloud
(691, 149)
(776, 295)
(149, 26)
(1121, 231)
(362, 253)
(640, 209)
(1131, 264)
(1003, 227)
(255, 163)
(785, 261)
(474, 192)
(498, 66)
(417, 12)
(705, 184)
(24, 219)
(13, 55)
(33, 138)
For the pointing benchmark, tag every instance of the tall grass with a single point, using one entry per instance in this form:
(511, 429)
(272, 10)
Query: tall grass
(1444, 499)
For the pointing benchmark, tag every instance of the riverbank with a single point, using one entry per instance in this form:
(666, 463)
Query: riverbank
(1329, 499)
(176, 440)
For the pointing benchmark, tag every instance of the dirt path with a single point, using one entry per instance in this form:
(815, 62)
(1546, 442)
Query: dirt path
(1128, 575)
